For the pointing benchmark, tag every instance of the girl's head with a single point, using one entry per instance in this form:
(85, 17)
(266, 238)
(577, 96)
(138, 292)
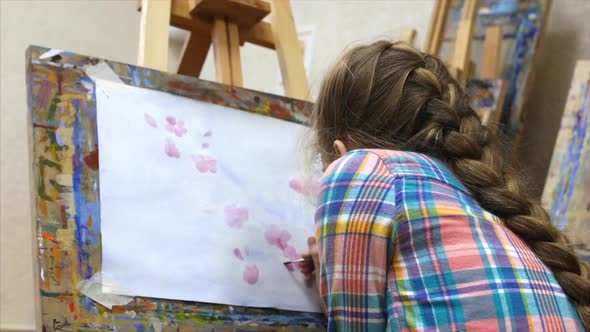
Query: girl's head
(392, 96)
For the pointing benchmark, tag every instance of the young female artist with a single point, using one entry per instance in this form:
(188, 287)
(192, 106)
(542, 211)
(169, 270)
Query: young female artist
(421, 225)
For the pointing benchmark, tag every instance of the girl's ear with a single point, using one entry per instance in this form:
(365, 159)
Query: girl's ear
(340, 148)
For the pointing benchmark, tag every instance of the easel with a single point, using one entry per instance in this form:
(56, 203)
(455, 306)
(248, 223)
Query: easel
(226, 24)
(460, 65)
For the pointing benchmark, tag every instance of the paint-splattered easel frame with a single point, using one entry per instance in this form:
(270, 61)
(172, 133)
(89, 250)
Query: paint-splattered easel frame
(64, 156)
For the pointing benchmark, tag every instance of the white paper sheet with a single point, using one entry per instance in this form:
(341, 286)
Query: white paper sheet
(200, 202)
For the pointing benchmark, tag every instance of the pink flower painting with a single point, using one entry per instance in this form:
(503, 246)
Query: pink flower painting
(171, 149)
(205, 164)
(235, 216)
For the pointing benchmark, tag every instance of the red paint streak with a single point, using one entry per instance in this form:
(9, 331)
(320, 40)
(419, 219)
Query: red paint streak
(64, 216)
(91, 159)
(279, 112)
(49, 236)
(72, 307)
(38, 125)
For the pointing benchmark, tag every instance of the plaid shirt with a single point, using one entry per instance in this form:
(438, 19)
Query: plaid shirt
(405, 247)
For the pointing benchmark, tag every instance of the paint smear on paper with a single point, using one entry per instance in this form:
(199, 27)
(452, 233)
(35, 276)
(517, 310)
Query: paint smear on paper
(208, 133)
(171, 149)
(296, 185)
(291, 252)
(150, 120)
(205, 145)
(175, 126)
(238, 254)
(205, 164)
(251, 274)
(235, 216)
(277, 237)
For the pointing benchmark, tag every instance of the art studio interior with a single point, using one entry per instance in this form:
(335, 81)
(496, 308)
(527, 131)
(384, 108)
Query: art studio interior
(295, 165)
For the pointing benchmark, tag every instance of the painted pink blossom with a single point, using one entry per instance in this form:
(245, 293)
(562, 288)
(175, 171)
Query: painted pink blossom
(150, 120)
(205, 164)
(208, 133)
(277, 237)
(175, 126)
(235, 216)
(312, 187)
(251, 274)
(238, 254)
(296, 185)
(171, 149)
(205, 145)
(291, 252)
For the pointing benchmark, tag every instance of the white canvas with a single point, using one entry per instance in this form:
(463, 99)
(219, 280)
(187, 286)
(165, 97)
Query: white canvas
(200, 202)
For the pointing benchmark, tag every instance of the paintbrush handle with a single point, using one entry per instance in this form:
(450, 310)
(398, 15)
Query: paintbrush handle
(298, 261)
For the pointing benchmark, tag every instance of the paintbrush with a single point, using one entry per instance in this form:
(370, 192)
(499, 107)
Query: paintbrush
(308, 259)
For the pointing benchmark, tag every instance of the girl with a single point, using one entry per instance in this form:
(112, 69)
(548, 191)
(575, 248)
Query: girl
(421, 225)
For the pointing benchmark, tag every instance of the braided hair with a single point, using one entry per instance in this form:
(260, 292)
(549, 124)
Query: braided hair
(392, 96)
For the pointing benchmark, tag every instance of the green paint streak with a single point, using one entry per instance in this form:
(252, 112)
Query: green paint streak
(41, 190)
(44, 162)
(54, 294)
(60, 189)
(50, 229)
(52, 110)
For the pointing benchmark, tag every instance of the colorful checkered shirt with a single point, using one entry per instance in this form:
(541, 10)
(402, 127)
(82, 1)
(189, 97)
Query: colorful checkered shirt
(405, 247)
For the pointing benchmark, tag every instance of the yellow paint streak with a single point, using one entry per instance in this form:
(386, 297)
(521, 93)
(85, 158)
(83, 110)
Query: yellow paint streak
(43, 206)
(66, 238)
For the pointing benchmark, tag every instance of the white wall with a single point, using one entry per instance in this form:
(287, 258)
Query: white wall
(109, 29)
(339, 24)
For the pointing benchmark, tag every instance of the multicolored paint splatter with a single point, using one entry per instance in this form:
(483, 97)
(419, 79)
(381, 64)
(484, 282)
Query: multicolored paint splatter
(62, 113)
(486, 98)
(567, 190)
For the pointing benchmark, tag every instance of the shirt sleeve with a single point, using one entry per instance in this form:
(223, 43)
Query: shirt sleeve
(354, 221)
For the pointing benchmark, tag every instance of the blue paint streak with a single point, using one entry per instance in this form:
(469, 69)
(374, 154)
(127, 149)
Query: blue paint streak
(85, 209)
(570, 164)
(523, 46)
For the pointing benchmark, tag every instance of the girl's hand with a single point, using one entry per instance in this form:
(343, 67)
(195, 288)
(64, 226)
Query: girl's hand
(309, 268)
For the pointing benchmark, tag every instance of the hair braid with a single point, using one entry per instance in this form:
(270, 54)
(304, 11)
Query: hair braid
(390, 95)
(469, 149)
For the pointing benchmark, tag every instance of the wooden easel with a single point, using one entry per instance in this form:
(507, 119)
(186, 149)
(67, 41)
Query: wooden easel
(226, 24)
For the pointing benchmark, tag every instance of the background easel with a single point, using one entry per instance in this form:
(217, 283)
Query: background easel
(225, 24)
(460, 64)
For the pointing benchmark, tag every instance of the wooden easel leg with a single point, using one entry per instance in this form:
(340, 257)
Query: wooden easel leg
(492, 50)
(433, 19)
(153, 34)
(221, 51)
(462, 53)
(288, 50)
(408, 36)
(234, 53)
(194, 53)
(438, 33)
